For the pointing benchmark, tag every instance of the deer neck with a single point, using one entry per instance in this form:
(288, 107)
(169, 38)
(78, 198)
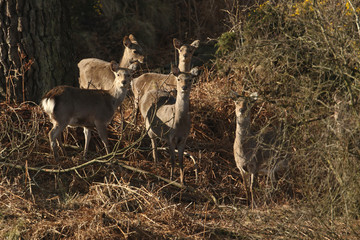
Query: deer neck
(125, 60)
(242, 128)
(118, 93)
(241, 134)
(184, 66)
(182, 106)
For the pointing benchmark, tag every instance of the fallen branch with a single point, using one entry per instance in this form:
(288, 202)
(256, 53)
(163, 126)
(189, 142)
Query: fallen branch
(49, 170)
(120, 163)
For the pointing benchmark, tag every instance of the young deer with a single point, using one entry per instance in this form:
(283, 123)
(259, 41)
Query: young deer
(85, 108)
(249, 152)
(168, 118)
(96, 73)
(149, 81)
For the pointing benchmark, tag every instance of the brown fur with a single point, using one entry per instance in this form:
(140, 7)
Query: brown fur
(251, 150)
(96, 73)
(87, 108)
(168, 118)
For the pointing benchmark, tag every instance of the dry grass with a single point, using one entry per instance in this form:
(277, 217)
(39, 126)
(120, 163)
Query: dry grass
(125, 196)
(302, 57)
(103, 200)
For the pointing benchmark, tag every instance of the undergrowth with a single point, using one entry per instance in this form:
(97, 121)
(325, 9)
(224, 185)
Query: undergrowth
(302, 59)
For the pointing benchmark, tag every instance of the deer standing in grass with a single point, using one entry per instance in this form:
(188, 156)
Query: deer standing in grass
(87, 108)
(168, 118)
(96, 73)
(149, 81)
(251, 151)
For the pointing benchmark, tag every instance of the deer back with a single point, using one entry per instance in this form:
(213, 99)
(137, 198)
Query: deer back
(152, 81)
(83, 107)
(97, 74)
(80, 107)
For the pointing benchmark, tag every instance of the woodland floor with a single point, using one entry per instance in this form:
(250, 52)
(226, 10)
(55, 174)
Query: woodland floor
(126, 196)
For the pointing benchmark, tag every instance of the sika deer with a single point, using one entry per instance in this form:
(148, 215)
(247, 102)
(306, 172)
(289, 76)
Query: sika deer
(168, 118)
(251, 151)
(345, 124)
(85, 108)
(96, 73)
(149, 81)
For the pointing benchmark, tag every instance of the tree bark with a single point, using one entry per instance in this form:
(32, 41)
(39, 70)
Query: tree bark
(36, 53)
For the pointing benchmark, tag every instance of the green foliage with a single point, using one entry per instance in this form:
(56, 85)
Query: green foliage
(226, 43)
(266, 15)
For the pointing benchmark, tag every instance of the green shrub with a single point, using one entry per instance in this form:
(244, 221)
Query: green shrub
(301, 56)
(226, 43)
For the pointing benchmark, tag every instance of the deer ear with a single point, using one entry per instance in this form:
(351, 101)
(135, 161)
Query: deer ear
(132, 38)
(175, 70)
(195, 43)
(127, 41)
(177, 43)
(254, 96)
(195, 71)
(114, 66)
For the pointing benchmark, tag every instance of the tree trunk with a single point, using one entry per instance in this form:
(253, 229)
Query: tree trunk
(35, 48)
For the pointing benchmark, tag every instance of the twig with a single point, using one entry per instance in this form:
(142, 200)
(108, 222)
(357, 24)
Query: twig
(176, 184)
(48, 170)
(99, 160)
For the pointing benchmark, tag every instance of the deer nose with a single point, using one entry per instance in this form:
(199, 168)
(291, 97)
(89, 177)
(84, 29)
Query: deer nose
(184, 88)
(124, 82)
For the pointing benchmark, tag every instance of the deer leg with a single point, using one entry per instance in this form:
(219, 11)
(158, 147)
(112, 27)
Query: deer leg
(181, 149)
(61, 145)
(101, 128)
(278, 171)
(154, 149)
(54, 136)
(87, 134)
(253, 182)
(136, 106)
(244, 176)
(172, 158)
(153, 145)
(136, 102)
(53, 141)
(252, 168)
